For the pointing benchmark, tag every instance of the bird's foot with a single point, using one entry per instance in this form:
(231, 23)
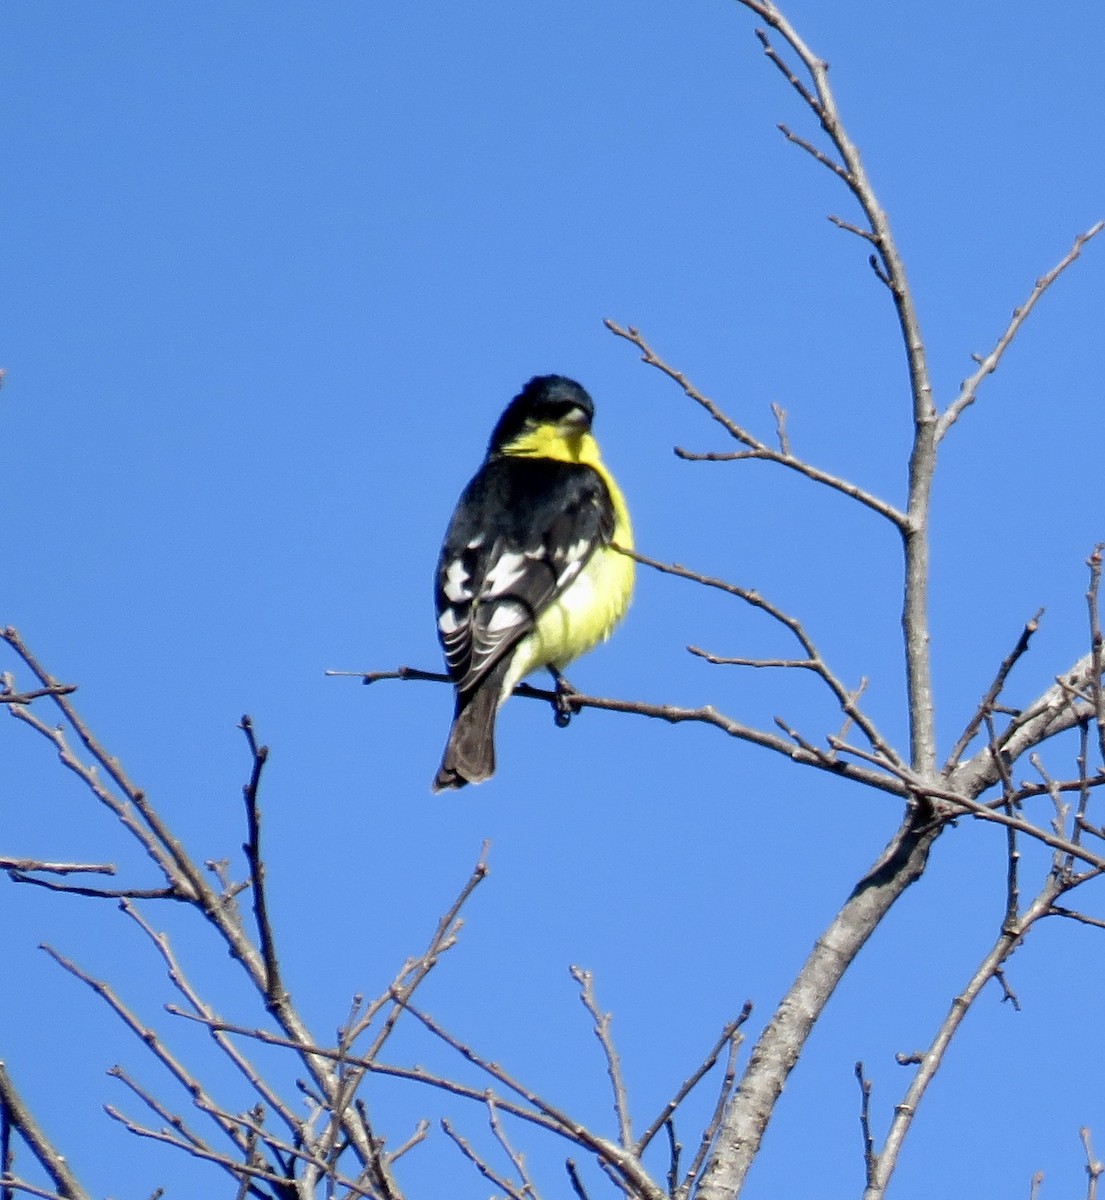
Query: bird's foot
(563, 708)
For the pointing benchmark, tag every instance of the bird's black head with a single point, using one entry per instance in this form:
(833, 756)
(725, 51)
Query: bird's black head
(545, 400)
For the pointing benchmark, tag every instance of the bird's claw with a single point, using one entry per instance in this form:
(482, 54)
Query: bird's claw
(563, 708)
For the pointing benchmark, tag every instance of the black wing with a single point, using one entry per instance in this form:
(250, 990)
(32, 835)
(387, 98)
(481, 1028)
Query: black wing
(523, 529)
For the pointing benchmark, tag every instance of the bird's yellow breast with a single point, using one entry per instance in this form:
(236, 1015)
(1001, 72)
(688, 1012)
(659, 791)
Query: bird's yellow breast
(583, 615)
(588, 610)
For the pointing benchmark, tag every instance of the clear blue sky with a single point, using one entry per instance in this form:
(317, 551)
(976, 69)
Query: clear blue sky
(270, 273)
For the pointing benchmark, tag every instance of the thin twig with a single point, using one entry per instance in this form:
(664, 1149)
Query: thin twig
(1012, 852)
(412, 974)
(1008, 996)
(956, 802)
(675, 1155)
(415, 971)
(416, 1138)
(730, 1036)
(819, 155)
(275, 992)
(1081, 825)
(624, 1163)
(756, 448)
(968, 390)
(8, 694)
(986, 705)
(887, 262)
(561, 1119)
(56, 868)
(845, 698)
(828, 760)
(367, 677)
(172, 1120)
(840, 223)
(232, 1166)
(516, 1158)
(1082, 918)
(481, 1164)
(613, 1063)
(1094, 1167)
(719, 660)
(709, 1134)
(185, 877)
(887, 1158)
(285, 1152)
(775, 58)
(870, 1158)
(416, 1074)
(12, 1183)
(1062, 809)
(77, 889)
(576, 1182)
(125, 811)
(780, 415)
(186, 989)
(151, 1040)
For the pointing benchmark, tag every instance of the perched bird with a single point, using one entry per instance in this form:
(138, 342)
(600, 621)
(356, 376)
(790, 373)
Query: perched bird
(528, 576)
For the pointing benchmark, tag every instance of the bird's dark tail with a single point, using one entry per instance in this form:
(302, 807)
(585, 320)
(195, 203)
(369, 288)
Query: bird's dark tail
(470, 752)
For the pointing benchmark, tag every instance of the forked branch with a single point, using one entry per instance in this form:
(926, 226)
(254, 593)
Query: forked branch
(756, 448)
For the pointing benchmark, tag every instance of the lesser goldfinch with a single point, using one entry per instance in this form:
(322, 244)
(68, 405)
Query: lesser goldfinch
(528, 576)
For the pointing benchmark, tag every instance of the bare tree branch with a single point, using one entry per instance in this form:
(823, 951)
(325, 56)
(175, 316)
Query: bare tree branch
(185, 1077)
(182, 984)
(11, 1183)
(818, 97)
(709, 1134)
(779, 1046)
(576, 1182)
(416, 1138)
(870, 1158)
(8, 694)
(620, 1158)
(264, 1164)
(756, 448)
(274, 987)
(814, 661)
(238, 1170)
(173, 1120)
(188, 881)
(707, 715)
(481, 1164)
(730, 1036)
(541, 1113)
(1053, 712)
(613, 1063)
(1059, 911)
(968, 390)
(527, 1189)
(20, 1119)
(33, 864)
(887, 1158)
(76, 889)
(986, 705)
